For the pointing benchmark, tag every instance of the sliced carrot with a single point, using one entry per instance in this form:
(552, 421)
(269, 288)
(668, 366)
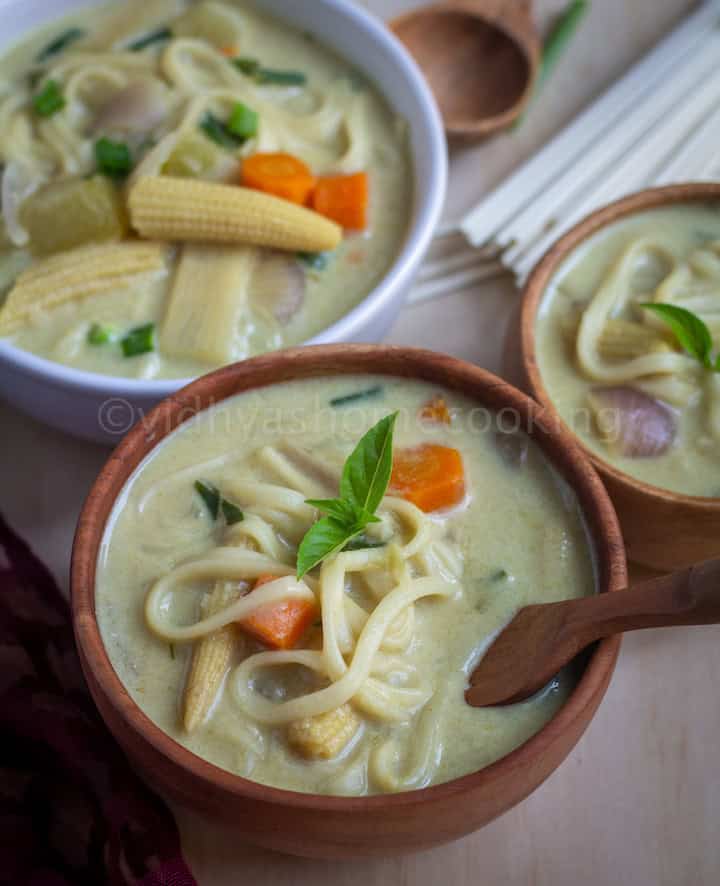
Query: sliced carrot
(279, 174)
(279, 625)
(436, 410)
(229, 51)
(344, 199)
(429, 476)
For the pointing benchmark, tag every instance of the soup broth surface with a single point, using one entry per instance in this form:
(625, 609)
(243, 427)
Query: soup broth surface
(671, 255)
(208, 304)
(517, 537)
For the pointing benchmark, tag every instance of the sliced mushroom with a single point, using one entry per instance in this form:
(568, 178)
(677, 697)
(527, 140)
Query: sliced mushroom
(632, 423)
(278, 286)
(138, 108)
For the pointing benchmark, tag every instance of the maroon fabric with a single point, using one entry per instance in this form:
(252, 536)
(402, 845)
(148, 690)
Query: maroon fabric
(72, 811)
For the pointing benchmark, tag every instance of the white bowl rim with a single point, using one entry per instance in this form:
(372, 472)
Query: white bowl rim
(429, 199)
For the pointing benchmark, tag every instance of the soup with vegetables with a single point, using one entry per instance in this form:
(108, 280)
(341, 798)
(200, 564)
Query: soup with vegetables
(627, 341)
(296, 584)
(185, 184)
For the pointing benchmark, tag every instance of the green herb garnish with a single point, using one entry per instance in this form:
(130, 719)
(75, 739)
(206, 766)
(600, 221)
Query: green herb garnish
(318, 261)
(362, 542)
(560, 36)
(231, 512)
(251, 67)
(690, 330)
(171, 647)
(49, 100)
(113, 158)
(367, 394)
(210, 495)
(498, 575)
(268, 76)
(243, 122)
(158, 36)
(59, 44)
(216, 504)
(100, 334)
(140, 340)
(217, 131)
(363, 484)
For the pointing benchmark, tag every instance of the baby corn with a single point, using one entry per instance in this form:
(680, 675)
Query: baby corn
(211, 659)
(165, 208)
(324, 736)
(88, 270)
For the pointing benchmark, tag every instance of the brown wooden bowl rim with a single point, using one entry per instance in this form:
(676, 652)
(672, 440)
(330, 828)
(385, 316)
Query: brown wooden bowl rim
(537, 284)
(528, 43)
(323, 361)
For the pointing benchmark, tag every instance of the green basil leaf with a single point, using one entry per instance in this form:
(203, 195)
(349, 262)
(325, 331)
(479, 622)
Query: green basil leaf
(324, 538)
(366, 473)
(334, 507)
(689, 329)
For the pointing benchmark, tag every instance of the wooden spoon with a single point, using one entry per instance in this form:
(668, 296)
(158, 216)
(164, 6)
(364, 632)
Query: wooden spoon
(480, 57)
(530, 651)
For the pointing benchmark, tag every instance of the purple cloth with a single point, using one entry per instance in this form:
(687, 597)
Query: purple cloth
(72, 810)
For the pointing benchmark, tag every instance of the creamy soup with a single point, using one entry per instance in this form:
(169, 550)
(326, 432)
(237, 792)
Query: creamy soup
(349, 679)
(105, 116)
(641, 391)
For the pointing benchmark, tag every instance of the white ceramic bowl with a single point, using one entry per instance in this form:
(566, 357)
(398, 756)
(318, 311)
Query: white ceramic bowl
(104, 408)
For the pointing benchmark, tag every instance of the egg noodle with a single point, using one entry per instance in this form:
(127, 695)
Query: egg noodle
(360, 656)
(666, 374)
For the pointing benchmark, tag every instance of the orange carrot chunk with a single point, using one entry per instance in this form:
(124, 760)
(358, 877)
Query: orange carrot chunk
(436, 410)
(279, 174)
(344, 199)
(229, 51)
(430, 476)
(279, 625)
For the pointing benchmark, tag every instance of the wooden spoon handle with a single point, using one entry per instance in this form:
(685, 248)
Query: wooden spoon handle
(688, 597)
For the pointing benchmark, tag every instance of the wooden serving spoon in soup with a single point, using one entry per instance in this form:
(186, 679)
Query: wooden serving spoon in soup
(480, 57)
(541, 639)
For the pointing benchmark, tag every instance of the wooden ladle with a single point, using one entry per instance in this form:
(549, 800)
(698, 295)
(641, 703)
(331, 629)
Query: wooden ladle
(530, 651)
(480, 57)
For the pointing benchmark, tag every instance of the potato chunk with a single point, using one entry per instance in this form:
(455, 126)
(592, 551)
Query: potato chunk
(73, 212)
(324, 736)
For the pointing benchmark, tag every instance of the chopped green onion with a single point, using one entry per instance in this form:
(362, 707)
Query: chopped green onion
(243, 122)
(499, 575)
(59, 43)
(280, 78)
(171, 647)
(252, 68)
(231, 512)
(49, 100)
(318, 261)
(217, 131)
(101, 335)
(367, 394)
(113, 158)
(158, 36)
(210, 496)
(362, 542)
(249, 66)
(560, 36)
(140, 340)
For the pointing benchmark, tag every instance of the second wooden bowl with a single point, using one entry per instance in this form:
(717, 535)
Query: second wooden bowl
(662, 530)
(311, 824)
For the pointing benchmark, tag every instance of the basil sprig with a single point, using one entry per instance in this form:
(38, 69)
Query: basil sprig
(690, 330)
(364, 481)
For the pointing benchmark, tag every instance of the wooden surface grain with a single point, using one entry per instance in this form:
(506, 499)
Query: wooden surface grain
(638, 801)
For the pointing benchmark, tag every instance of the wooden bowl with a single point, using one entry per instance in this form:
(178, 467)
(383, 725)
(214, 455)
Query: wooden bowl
(308, 824)
(663, 530)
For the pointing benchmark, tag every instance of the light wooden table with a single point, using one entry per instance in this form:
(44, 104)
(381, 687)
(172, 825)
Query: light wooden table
(638, 801)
